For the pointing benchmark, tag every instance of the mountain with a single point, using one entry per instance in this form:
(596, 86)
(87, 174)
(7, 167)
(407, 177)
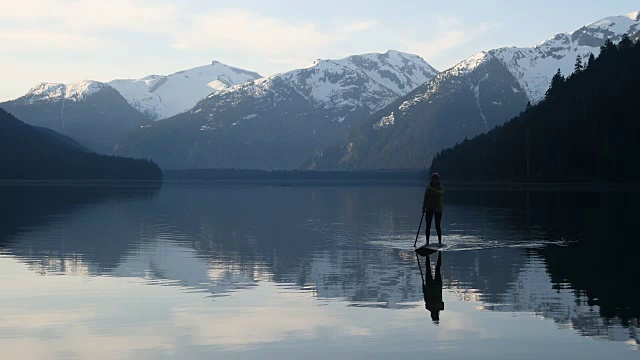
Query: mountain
(160, 97)
(28, 152)
(472, 97)
(93, 113)
(277, 122)
(586, 129)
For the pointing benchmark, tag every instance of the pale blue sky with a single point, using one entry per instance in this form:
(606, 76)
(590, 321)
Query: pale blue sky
(69, 40)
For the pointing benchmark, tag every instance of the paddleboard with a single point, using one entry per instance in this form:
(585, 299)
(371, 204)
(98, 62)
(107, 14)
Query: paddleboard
(425, 250)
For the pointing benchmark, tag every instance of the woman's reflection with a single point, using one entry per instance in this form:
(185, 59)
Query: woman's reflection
(432, 288)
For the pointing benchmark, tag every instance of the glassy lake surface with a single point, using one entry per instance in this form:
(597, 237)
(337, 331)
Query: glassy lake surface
(267, 271)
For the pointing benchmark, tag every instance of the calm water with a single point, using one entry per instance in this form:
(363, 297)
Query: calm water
(260, 271)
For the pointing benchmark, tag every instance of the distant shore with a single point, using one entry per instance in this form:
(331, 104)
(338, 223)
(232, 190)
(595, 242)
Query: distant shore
(344, 179)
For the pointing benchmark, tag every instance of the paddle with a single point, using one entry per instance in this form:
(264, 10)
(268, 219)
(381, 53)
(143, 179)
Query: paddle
(419, 227)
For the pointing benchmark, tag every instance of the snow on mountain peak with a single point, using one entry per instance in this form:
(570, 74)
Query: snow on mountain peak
(45, 90)
(81, 89)
(612, 26)
(56, 91)
(634, 15)
(161, 96)
(313, 64)
(370, 80)
(470, 64)
(533, 67)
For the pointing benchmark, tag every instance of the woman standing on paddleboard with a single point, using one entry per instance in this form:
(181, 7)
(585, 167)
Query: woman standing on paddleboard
(432, 205)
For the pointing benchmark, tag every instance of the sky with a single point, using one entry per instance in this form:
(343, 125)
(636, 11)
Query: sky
(72, 40)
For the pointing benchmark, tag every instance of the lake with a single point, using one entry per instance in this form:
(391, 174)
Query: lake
(200, 271)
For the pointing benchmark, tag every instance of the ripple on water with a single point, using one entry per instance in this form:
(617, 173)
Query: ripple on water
(457, 242)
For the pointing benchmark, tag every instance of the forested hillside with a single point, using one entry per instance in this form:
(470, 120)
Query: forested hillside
(92, 113)
(28, 152)
(586, 129)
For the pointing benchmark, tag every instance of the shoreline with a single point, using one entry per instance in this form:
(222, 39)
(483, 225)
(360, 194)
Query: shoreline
(450, 185)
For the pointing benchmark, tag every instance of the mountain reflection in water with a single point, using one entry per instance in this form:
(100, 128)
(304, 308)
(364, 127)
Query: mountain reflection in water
(511, 251)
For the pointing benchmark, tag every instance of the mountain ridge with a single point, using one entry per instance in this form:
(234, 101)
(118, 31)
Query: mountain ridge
(29, 152)
(91, 112)
(162, 96)
(277, 122)
(479, 93)
(577, 133)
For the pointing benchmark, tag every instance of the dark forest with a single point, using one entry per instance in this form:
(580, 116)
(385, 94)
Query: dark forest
(585, 130)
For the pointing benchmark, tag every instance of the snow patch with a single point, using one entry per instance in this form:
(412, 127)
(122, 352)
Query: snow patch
(476, 92)
(83, 89)
(385, 122)
(161, 96)
(248, 117)
(72, 92)
(470, 64)
(404, 106)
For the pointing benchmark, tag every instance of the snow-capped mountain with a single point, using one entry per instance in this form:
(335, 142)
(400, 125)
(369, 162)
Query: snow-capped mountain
(76, 91)
(357, 81)
(277, 122)
(93, 113)
(534, 67)
(472, 97)
(160, 97)
(99, 115)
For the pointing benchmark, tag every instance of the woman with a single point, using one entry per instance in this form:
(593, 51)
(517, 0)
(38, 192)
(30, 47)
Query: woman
(432, 205)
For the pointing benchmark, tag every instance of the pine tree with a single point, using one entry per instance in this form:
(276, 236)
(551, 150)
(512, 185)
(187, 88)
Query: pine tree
(608, 48)
(556, 82)
(578, 66)
(587, 61)
(625, 43)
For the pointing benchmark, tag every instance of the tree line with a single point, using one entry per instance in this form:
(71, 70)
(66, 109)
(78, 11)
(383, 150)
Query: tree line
(292, 175)
(29, 152)
(585, 129)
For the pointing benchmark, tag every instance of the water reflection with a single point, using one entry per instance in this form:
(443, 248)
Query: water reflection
(432, 286)
(341, 244)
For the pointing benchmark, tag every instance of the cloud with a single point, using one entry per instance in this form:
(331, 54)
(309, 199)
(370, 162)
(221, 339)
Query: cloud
(359, 26)
(446, 33)
(83, 24)
(237, 28)
(120, 14)
(90, 14)
(269, 38)
(72, 25)
(17, 39)
(171, 34)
